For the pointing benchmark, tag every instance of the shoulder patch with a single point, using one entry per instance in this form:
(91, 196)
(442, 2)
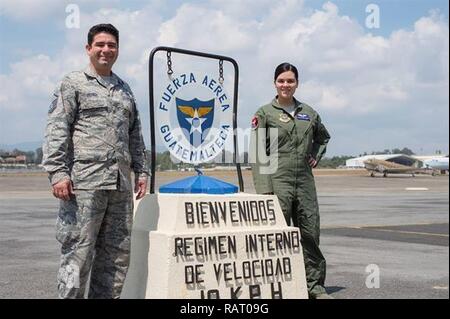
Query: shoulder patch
(255, 122)
(53, 105)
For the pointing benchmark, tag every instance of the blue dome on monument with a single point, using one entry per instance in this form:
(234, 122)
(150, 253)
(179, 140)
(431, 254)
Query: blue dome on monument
(199, 185)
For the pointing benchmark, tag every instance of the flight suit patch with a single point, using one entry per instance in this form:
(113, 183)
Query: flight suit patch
(284, 118)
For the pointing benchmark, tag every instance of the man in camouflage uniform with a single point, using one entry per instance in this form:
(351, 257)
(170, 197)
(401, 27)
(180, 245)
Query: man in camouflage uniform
(92, 143)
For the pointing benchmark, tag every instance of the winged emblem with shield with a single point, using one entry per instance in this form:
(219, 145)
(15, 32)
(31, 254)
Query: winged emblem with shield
(195, 118)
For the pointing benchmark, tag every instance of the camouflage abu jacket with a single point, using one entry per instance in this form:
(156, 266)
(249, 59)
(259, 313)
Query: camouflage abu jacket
(93, 133)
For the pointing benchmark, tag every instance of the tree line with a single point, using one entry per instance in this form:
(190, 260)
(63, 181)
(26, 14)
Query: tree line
(31, 157)
(165, 162)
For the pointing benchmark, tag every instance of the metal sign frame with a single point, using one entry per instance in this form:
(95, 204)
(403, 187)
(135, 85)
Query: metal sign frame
(152, 106)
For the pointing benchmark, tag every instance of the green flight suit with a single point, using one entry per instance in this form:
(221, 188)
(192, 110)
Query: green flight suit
(296, 138)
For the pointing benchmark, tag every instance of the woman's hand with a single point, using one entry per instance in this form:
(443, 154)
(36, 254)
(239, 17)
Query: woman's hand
(312, 161)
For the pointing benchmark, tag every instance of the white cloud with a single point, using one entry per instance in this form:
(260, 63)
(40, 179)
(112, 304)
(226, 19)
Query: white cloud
(25, 97)
(327, 96)
(206, 29)
(37, 10)
(348, 74)
(29, 9)
(249, 9)
(30, 79)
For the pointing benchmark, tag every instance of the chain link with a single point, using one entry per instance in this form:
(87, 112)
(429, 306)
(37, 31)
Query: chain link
(169, 64)
(221, 78)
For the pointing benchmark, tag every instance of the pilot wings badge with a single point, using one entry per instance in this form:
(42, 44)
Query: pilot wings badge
(195, 118)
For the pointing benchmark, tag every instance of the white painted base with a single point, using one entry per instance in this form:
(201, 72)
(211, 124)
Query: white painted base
(189, 246)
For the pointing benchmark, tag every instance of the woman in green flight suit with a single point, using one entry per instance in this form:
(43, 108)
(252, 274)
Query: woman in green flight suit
(299, 144)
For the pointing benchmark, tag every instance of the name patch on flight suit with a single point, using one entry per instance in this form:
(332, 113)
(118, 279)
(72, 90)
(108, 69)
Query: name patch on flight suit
(284, 118)
(303, 117)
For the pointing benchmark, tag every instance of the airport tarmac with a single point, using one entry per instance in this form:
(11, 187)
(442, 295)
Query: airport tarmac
(382, 237)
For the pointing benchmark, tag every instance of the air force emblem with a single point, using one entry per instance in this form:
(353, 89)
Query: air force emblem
(195, 118)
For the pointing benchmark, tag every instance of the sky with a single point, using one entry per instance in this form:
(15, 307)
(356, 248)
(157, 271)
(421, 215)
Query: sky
(377, 72)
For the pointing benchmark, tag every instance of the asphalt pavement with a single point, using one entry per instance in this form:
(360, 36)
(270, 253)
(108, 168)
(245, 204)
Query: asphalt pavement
(383, 238)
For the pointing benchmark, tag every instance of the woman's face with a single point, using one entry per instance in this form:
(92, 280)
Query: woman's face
(286, 85)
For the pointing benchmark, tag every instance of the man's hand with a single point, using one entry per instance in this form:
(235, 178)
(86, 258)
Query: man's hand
(63, 189)
(140, 187)
(312, 161)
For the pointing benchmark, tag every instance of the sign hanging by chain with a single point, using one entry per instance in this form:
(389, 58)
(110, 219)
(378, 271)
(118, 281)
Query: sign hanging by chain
(195, 119)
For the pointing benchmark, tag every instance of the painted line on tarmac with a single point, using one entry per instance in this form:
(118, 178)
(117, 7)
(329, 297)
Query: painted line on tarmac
(416, 188)
(374, 225)
(403, 232)
(440, 287)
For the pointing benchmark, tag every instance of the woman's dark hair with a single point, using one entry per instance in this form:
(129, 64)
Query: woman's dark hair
(99, 28)
(284, 67)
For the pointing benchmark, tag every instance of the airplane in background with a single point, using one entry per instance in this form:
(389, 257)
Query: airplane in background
(387, 167)
(440, 164)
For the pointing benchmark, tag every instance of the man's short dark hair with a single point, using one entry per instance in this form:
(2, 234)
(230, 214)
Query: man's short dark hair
(103, 27)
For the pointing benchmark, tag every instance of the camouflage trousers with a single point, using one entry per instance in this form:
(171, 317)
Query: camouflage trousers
(94, 229)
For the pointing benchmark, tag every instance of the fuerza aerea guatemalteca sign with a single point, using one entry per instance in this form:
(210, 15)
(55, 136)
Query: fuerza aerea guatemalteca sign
(194, 117)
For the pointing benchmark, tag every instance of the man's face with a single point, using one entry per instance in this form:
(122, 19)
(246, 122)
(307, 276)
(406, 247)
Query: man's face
(103, 51)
